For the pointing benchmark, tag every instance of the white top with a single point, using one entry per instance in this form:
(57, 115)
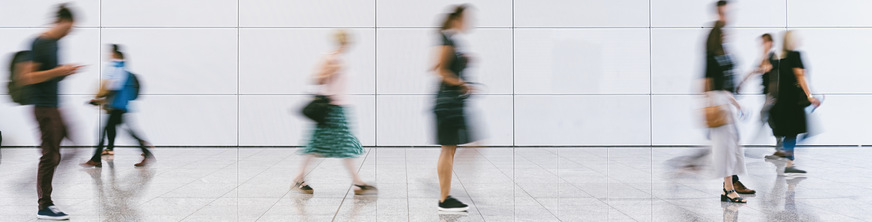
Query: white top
(115, 74)
(335, 87)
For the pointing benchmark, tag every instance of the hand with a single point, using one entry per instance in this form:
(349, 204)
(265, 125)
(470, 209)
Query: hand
(466, 88)
(814, 101)
(66, 70)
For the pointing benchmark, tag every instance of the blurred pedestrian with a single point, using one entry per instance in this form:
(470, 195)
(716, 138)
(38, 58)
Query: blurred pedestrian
(794, 95)
(42, 77)
(767, 68)
(119, 87)
(451, 122)
(728, 155)
(332, 138)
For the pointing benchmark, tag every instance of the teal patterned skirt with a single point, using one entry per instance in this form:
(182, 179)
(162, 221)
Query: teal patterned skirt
(332, 138)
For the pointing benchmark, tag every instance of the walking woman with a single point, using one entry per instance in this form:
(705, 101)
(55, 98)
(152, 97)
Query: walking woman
(116, 92)
(788, 113)
(728, 156)
(451, 125)
(332, 138)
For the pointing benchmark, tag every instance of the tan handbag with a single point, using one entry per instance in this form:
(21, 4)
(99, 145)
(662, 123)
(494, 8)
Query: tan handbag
(715, 116)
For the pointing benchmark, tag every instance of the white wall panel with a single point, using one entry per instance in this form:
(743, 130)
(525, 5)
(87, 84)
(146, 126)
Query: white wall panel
(187, 120)
(585, 13)
(838, 13)
(404, 60)
(839, 121)
(590, 61)
(835, 59)
(21, 129)
(405, 120)
(491, 64)
(180, 61)
(491, 118)
(677, 60)
(303, 13)
(694, 13)
(275, 120)
(283, 61)
(169, 13)
(589, 120)
(42, 13)
(401, 13)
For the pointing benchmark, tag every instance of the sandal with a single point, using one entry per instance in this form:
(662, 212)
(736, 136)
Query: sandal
(365, 189)
(725, 198)
(302, 187)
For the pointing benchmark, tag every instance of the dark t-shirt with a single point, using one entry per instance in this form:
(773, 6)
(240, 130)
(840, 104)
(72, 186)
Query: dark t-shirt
(720, 69)
(788, 86)
(458, 61)
(772, 75)
(44, 52)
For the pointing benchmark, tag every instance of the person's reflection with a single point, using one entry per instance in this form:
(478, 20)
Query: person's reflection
(118, 200)
(786, 186)
(731, 211)
(300, 201)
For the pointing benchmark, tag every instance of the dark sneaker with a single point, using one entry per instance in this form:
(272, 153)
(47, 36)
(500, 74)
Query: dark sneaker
(302, 187)
(365, 189)
(451, 204)
(91, 163)
(793, 171)
(52, 213)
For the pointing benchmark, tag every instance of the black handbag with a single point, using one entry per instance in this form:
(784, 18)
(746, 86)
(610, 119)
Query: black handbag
(318, 108)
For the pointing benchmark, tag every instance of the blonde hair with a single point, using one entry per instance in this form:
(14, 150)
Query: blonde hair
(341, 36)
(789, 43)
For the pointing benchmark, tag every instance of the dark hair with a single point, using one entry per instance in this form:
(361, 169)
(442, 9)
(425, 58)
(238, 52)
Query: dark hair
(64, 14)
(766, 37)
(715, 42)
(116, 50)
(454, 15)
(721, 3)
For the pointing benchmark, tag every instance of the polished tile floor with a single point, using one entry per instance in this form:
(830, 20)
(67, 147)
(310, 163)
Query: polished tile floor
(499, 184)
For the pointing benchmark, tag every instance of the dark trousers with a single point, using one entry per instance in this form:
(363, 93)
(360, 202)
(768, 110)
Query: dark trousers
(116, 118)
(52, 130)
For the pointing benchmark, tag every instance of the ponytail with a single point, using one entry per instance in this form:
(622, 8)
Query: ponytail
(116, 50)
(64, 14)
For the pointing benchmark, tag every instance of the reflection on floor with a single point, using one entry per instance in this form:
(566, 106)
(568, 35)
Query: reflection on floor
(499, 184)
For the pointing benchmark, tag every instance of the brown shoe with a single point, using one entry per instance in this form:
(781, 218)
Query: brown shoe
(740, 188)
(365, 189)
(145, 162)
(107, 153)
(91, 163)
(780, 154)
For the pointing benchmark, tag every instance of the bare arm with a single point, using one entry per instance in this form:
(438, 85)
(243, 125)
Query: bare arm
(328, 69)
(707, 85)
(800, 78)
(103, 91)
(30, 76)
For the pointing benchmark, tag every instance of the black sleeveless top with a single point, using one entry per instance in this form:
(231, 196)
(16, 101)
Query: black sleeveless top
(457, 62)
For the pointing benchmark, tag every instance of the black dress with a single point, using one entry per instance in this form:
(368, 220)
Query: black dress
(451, 124)
(788, 113)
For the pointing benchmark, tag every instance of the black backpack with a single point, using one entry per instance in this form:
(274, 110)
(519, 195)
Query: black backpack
(16, 91)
